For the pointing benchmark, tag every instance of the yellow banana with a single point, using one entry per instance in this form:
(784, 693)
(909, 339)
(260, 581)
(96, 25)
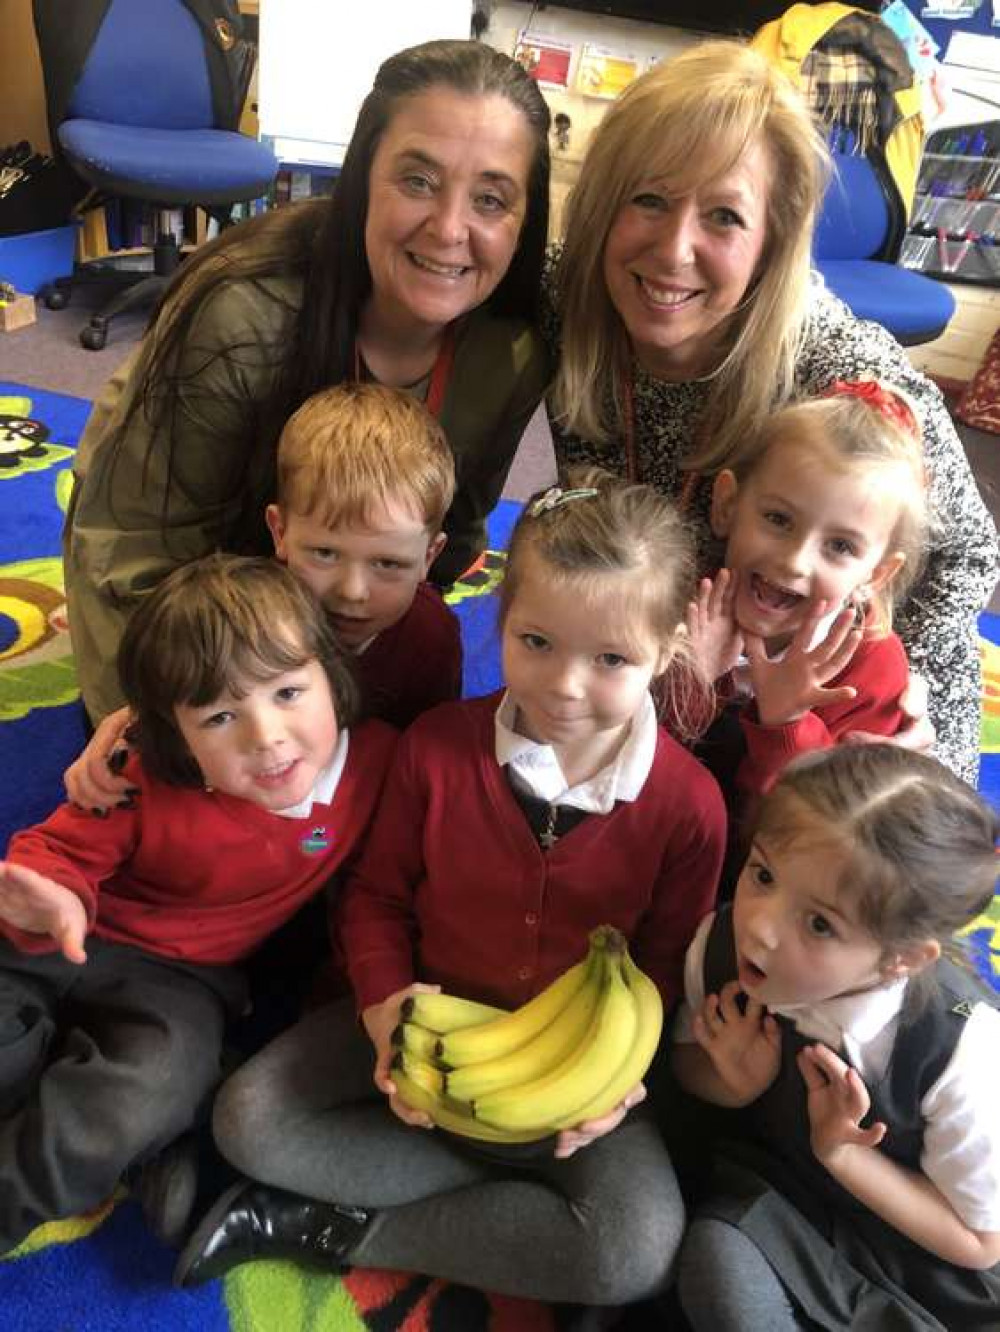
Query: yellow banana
(585, 1073)
(418, 1040)
(491, 1040)
(649, 1012)
(538, 1056)
(447, 1115)
(418, 1071)
(446, 1012)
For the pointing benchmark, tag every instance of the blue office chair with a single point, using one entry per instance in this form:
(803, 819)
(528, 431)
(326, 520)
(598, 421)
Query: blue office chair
(858, 235)
(144, 99)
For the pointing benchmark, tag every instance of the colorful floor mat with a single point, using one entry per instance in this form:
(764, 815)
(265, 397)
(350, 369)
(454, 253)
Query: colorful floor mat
(105, 1273)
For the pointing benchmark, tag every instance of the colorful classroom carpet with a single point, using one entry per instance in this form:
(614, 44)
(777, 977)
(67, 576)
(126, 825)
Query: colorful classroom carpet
(105, 1273)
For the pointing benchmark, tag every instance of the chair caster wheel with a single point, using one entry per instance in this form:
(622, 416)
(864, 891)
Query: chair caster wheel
(93, 338)
(55, 298)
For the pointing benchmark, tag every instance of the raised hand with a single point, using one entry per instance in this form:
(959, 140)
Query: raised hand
(33, 902)
(837, 1101)
(715, 637)
(917, 731)
(787, 688)
(745, 1048)
(380, 1021)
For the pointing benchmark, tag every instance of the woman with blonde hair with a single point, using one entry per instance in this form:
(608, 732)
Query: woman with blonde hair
(685, 311)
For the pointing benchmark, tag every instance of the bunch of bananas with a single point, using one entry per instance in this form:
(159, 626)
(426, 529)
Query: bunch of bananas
(568, 1055)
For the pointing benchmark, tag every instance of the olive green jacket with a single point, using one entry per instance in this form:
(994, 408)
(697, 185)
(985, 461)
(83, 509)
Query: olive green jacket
(136, 514)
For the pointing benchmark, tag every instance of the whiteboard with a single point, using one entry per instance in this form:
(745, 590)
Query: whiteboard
(318, 59)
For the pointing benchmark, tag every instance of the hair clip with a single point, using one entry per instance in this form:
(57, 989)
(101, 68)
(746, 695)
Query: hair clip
(884, 400)
(555, 497)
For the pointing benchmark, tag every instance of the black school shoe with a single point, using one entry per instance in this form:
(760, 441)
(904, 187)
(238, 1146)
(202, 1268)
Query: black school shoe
(166, 1187)
(253, 1221)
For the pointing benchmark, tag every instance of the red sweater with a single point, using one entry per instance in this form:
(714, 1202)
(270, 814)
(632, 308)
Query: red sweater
(198, 876)
(878, 671)
(414, 664)
(452, 887)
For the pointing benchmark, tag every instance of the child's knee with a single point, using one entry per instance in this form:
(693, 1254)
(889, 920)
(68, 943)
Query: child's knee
(633, 1254)
(241, 1121)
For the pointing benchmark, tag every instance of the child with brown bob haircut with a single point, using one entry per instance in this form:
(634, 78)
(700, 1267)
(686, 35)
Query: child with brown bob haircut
(365, 477)
(122, 939)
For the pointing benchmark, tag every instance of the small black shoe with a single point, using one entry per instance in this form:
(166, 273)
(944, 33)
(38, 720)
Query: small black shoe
(166, 1187)
(253, 1221)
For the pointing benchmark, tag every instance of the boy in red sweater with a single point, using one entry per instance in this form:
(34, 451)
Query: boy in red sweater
(123, 938)
(365, 477)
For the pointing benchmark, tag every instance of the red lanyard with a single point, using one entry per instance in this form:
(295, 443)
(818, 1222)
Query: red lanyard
(691, 479)
(440, 370)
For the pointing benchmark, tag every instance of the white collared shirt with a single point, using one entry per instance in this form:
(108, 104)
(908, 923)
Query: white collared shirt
(535, 767)
(325, 785)
(961, 1152)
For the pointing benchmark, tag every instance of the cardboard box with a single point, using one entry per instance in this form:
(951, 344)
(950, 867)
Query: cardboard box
(16, 313)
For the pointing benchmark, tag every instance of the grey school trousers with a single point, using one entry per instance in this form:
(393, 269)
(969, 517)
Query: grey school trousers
(101, 1065)
(602, 1227)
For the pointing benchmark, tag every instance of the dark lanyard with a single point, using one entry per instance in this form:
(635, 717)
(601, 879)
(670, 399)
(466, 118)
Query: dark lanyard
(691, 479)
(440, 371)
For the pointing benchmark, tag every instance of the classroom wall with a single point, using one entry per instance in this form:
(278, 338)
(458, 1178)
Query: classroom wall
(644, 40)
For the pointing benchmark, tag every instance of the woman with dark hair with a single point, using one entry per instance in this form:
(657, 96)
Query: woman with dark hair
(421, 272)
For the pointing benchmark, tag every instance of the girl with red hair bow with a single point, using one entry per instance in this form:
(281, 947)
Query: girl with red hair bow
(825, 522)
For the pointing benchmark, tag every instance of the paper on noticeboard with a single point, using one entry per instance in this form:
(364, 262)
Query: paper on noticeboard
(921, 48)
(971, 67)
(546, 59)
(952, 11)
(603, 72)
(974, 50)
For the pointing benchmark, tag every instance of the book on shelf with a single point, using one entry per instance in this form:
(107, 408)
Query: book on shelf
(92, 237)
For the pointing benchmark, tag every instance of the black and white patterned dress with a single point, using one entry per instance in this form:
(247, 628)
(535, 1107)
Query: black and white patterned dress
(937, 623)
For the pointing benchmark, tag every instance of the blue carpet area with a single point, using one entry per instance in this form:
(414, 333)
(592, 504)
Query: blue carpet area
(116, 1279)
(41, 723)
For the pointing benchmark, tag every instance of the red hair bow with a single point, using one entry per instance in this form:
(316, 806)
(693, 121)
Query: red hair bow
(882, 400)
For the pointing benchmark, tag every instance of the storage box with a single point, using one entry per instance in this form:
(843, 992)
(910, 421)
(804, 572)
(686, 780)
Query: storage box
(34, 258)
(16, 312)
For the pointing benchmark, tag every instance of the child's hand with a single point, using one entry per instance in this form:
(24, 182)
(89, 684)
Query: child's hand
(917, 731)
(745, 1048)
(838, 1101)
(788, 688)
(582, 1135)
(380, 1021)
(91, 781)
(715, 637)
(30, 901)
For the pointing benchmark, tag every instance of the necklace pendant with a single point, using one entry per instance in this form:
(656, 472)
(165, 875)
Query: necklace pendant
(548, 836)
